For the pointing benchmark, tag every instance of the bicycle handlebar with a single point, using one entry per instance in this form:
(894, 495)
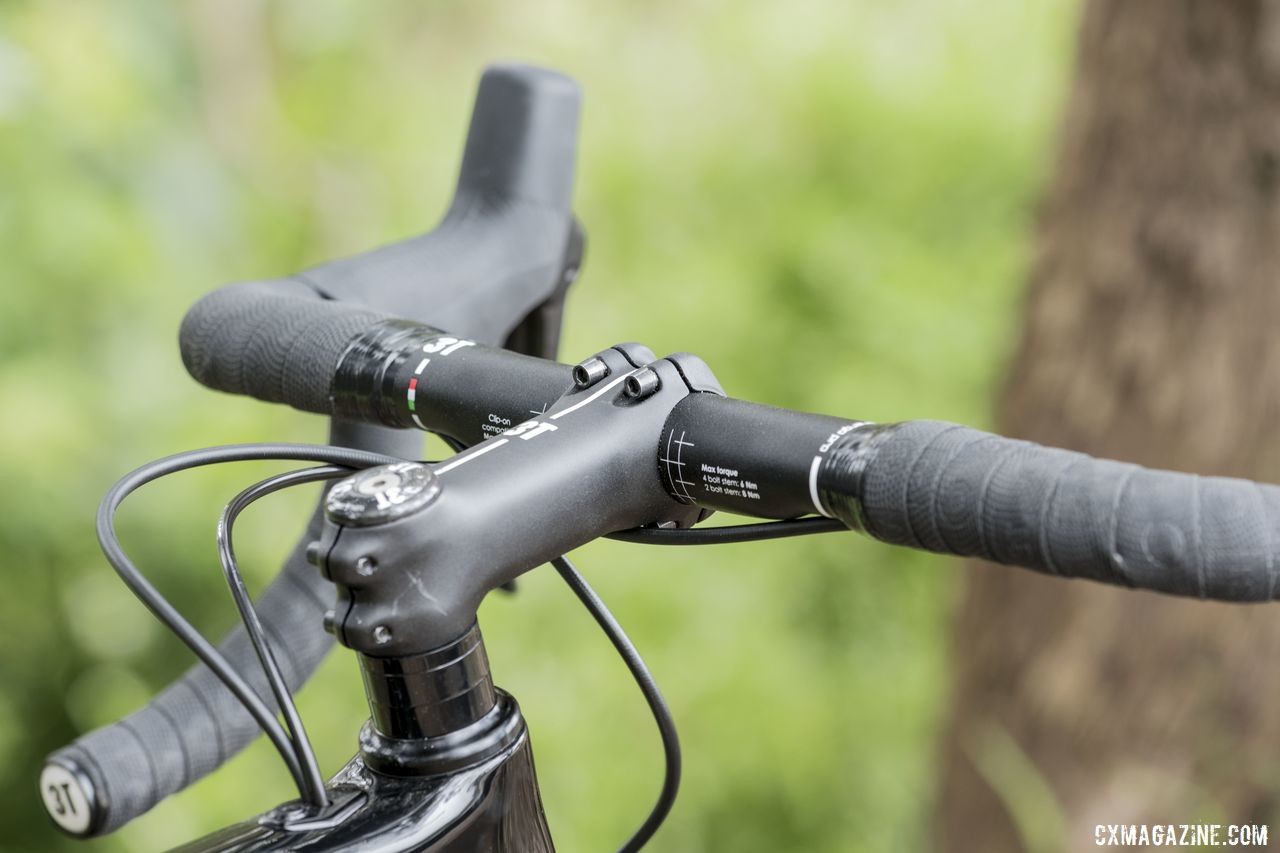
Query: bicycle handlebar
(923, 484)
(275, 341)
(953, 490)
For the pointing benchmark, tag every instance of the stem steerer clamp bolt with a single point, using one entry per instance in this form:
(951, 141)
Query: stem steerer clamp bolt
(641, 384)
(590, 372)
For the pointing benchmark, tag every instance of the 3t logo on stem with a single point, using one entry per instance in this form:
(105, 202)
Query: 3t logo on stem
(530, 429)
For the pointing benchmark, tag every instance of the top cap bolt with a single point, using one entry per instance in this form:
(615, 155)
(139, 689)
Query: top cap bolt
(382, 494)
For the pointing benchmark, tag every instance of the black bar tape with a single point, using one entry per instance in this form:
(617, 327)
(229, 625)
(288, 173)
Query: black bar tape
(277, 341)
(196, 724)
(953, 490)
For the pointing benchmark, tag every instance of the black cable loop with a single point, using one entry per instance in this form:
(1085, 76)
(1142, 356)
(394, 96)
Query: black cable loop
(160, 607)
(293, 745)
(732, 533)
(652, 695)
(302, 748)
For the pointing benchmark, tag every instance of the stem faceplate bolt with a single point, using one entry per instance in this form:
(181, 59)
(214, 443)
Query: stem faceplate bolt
(590, 372)
(641, 384)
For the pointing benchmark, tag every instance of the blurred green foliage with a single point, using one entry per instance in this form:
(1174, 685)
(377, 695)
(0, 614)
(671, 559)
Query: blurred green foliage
(827, 200)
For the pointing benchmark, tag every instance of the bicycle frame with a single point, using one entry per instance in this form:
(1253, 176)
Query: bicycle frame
(445, 766)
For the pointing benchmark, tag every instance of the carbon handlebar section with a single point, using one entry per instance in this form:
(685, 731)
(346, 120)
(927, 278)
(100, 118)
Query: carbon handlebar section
(954, 490)
(281, 343)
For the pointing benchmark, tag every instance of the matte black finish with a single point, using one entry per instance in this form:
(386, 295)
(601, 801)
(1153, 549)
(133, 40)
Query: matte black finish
(507, 244)
(507, 505)
(746, 458)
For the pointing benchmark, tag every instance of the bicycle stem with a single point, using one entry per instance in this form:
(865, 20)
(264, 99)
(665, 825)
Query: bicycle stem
(401, 542)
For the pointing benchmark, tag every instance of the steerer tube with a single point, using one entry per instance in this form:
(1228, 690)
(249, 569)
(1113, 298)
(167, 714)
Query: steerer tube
(430, 694)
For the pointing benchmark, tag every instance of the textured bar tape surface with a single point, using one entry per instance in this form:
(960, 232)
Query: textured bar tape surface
(954, 490)
(276, 341)
(196, 724)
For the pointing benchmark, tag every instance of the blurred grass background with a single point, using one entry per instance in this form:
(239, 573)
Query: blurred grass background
(829, 200)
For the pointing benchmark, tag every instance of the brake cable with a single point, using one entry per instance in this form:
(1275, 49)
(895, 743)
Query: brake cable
(168, 615)
(653, 696)
(302, 748)
(291, 741)
(755, 532)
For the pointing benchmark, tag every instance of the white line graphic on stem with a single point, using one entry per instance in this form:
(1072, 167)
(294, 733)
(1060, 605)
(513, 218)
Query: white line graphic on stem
(581, 403)
(479, 450)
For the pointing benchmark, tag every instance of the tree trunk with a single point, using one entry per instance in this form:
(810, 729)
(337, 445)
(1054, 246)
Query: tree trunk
(1152, 335)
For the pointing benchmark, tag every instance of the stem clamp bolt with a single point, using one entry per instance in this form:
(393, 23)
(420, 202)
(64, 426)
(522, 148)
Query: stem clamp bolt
(589, 372)
(641, 384)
